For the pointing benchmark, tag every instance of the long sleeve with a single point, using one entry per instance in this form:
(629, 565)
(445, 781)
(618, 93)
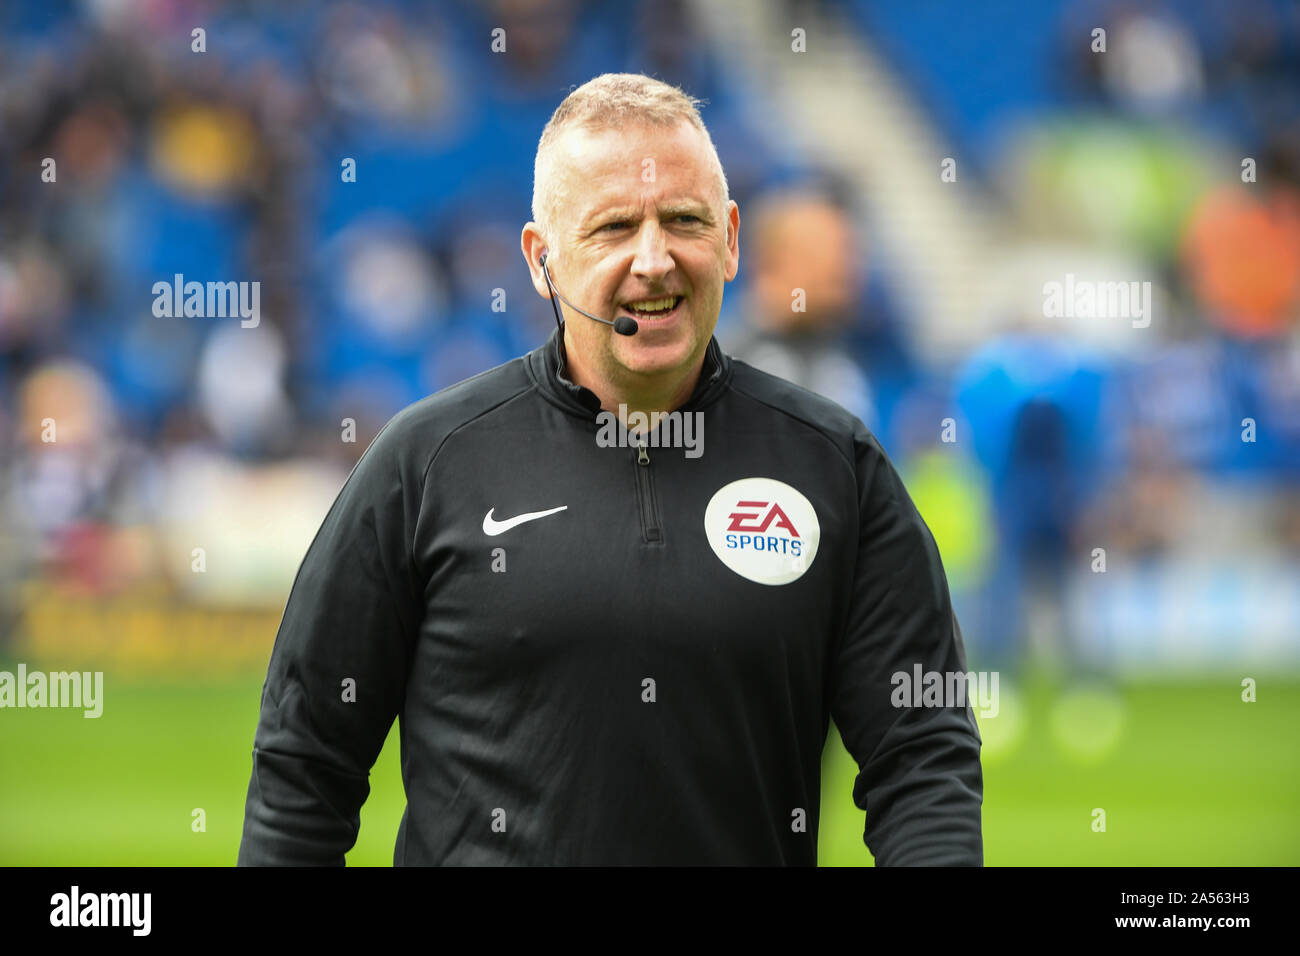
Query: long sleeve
(338, 670)
(919, 778)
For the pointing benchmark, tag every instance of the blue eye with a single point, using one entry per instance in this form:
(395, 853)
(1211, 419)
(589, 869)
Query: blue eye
(689, 216)
(613, 225)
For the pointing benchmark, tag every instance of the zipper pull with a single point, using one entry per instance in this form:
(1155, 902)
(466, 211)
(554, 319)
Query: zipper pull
(642, 457)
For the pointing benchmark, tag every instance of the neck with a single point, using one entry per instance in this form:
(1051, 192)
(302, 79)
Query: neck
(662, 393)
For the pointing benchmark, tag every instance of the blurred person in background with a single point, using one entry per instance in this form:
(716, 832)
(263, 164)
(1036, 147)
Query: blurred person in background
(1033, 403)
(73, 482)
(806, 284)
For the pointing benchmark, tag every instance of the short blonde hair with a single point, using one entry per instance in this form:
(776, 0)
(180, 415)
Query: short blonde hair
(610, 101)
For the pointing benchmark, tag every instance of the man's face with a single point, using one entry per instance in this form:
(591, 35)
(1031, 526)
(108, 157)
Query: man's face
(812, 246)
(641, 218)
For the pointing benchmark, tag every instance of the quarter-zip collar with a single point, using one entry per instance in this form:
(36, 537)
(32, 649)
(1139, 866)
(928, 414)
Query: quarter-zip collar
(548, 367)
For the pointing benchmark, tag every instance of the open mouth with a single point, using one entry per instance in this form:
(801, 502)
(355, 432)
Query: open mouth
(653, 308)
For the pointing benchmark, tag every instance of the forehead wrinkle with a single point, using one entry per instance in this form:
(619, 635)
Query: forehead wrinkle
(570, 153)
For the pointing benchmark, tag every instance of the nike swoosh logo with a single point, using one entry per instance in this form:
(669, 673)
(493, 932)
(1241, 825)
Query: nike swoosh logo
(491, 527)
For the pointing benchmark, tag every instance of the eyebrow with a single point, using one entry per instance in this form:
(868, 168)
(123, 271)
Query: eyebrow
(677, 207)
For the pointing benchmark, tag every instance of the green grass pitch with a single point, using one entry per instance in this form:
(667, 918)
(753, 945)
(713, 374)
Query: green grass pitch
(1184, 771)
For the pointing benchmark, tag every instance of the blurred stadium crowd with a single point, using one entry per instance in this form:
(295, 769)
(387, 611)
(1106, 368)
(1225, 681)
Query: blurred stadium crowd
(177, 434)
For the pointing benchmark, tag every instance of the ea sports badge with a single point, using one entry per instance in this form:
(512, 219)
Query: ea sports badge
(763, 529)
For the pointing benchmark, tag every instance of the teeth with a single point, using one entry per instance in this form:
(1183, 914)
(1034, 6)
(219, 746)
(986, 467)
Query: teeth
(653, 305)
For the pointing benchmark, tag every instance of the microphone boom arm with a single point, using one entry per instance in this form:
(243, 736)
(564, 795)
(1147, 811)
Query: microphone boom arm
(623, 325)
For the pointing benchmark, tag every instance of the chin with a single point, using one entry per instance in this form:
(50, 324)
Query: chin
(656, 358)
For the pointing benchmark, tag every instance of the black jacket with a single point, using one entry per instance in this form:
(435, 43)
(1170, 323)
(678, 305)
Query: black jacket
(595, 685)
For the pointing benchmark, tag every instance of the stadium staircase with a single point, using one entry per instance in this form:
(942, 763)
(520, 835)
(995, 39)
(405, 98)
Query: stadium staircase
(839, 104)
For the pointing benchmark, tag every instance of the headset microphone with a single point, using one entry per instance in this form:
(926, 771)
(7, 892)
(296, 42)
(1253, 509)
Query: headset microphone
(623, 325)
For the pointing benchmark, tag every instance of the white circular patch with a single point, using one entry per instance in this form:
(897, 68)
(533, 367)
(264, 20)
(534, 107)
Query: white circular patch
(763, 529)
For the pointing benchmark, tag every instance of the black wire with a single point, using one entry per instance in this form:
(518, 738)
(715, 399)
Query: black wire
(546, 272)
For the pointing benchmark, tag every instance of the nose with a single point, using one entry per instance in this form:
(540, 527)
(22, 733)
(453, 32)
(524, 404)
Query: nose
(652, 261)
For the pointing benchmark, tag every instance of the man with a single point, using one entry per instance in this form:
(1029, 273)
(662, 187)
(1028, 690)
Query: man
(627, 654)
(802, 239)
